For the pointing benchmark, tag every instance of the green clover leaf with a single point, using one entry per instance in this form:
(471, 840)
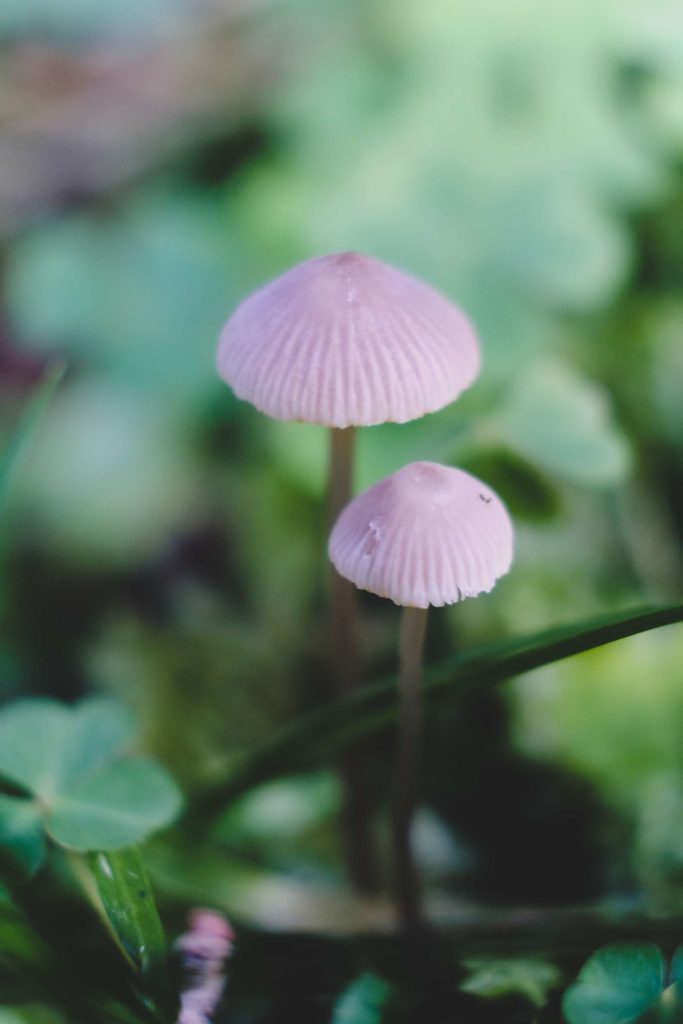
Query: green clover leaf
(80, 783)
(625, 983)
(21, 832)
(527, 977)
(562, 422)
(362, 1002)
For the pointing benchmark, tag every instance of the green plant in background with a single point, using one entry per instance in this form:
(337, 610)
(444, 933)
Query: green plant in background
(529, 977)
(21, 434)
(29, 1015)
(363, 1001)
(623, 984)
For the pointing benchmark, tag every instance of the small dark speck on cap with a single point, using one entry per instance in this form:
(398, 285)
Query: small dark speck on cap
(485, 499)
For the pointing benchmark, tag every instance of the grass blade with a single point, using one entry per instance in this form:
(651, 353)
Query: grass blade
(314, 738)
(125, 892)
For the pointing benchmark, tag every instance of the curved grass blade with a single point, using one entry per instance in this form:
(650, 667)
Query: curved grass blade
(42, 961)
(125, 892)
(315, 737)
(28, 422)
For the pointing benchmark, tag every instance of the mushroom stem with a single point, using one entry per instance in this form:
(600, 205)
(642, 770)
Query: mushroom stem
(359, 853)
(340, 480)
(406, 880)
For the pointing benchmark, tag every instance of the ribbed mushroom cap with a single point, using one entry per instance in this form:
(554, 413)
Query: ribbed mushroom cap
(346, 340)
(427, 535)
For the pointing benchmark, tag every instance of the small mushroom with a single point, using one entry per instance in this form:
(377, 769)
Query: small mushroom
(346, 340)
(343, 341)
(427, 535)
(204, 950)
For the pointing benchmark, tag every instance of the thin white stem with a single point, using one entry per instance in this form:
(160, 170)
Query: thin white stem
(406, 880)
(359, 851)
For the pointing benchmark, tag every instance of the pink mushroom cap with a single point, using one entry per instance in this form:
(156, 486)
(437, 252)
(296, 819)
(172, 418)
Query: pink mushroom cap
(346, 340)
(427, 535)
(211, 923)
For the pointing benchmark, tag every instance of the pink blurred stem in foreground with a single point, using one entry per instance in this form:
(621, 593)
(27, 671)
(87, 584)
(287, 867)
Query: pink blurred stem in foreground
(205, 949)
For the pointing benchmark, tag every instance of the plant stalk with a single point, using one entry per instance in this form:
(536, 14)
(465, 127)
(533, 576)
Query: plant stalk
(359, 852)
(406, 877)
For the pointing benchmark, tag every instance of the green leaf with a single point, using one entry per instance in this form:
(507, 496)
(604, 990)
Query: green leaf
(124, 889)
(362, 1002)
(101, 445)
(169, 250)
(27, 424)
(117, 806)
(673, 995)
(528, 493)
(87, 794)
(101, 729)
(616, 985)
(559, 242)
(282, 810)
(21, 832)
(494, 978)
(313, 737)
(562, 421)
(34, 741)
(45, 745)
(10, 1017)
(677, 968)
(29, 1013)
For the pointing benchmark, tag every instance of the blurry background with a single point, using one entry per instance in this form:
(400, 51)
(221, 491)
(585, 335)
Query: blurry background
(165, 543)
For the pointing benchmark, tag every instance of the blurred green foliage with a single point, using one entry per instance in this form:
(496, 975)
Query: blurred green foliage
(83, 19)
(362, 1002)
(620, 984)
(23, 431)
(531, 979)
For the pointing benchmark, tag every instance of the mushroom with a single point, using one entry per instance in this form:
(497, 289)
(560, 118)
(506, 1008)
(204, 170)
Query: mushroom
(343, 341)
(346, 340)
(427, 535)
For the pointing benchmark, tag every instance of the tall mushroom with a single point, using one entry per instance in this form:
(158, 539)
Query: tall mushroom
(427, 535)
(345, 341)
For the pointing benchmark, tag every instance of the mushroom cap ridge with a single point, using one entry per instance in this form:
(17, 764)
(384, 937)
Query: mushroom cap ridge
(347, 340)
(427, 535)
